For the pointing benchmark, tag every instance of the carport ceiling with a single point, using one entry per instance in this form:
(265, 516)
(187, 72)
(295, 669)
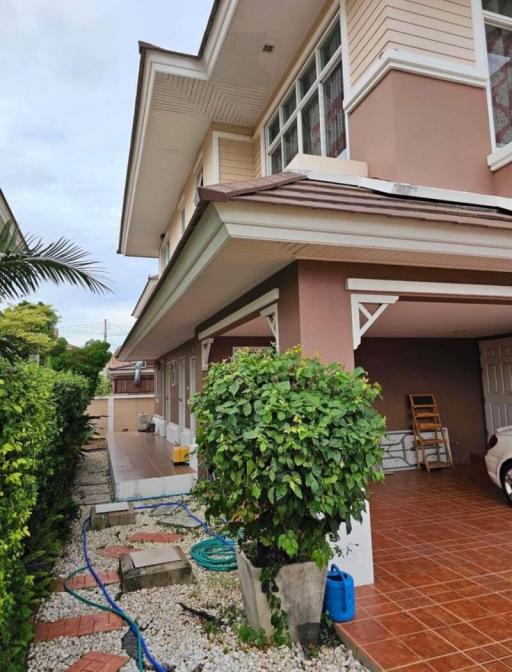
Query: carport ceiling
(431, 319)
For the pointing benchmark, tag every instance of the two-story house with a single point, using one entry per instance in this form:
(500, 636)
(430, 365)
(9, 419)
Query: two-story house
(337, 175)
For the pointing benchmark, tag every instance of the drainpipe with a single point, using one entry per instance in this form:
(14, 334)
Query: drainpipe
(138, 368)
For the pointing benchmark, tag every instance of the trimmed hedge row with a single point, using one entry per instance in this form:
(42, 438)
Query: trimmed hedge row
(42, 427)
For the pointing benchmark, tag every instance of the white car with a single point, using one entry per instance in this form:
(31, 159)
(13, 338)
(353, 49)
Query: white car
(498, 460)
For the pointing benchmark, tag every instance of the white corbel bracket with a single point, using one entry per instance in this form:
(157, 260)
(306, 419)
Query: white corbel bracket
(362, 318)
(205, 353)
(270, 313)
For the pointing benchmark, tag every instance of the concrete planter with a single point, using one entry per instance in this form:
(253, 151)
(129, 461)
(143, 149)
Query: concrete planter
(301, 589)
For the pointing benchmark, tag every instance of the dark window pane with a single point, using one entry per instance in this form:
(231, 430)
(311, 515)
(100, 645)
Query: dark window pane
(499, 54)
(273, 129)
(334, 118)
(290, 143)
(311, 127)
(498, 6)
(276, 162)
(289, 106)
(330, 45)
(307, 79)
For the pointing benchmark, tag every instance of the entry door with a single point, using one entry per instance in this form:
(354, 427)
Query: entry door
(192, 391)
(496, 362)
(182, 393)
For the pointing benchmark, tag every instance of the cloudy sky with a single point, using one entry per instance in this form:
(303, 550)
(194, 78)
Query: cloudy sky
(68, 72)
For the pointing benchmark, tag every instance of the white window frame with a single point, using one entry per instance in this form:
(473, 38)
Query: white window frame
(317, 87)
(501, 155)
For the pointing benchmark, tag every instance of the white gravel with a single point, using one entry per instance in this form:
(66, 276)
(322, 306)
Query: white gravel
(175, 637)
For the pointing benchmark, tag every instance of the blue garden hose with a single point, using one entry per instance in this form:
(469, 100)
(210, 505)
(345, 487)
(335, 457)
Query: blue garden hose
(113, 604)
(216, 554)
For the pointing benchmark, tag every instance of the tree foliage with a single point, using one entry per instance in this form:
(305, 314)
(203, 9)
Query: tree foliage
(28, 329)
(42, 427)
(24, 265)
(293, 445)
(87, 361)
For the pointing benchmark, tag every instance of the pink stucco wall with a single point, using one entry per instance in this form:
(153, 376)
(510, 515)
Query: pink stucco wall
(421, 130)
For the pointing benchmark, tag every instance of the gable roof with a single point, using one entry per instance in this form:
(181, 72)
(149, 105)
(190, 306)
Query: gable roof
(296, 189)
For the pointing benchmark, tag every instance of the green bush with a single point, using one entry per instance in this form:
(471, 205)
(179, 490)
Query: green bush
(42, 426)
(293, 444)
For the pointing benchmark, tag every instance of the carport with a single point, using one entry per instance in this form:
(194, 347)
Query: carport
(448, 339)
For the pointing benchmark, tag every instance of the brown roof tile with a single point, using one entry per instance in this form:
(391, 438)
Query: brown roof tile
(294, 189)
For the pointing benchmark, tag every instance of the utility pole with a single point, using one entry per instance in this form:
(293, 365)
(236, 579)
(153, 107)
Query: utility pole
(105, 330)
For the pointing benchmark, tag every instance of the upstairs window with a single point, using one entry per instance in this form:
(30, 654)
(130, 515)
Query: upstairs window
(498, 32)
(310, 119)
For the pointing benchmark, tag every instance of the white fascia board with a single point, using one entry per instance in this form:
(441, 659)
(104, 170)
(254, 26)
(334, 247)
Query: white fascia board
(307, 227)
(418, 64)
(251, 308)
(218, 32)
(412, 190)
(414, 288)
(500, 158)
(204, 244)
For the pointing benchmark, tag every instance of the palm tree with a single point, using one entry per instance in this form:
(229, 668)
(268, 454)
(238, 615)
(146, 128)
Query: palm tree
(25, 264)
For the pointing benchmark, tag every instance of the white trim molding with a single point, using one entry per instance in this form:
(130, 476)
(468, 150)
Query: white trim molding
(206, 346)
(500, 158)
(359, 309)
(415, 288)
(271, 314)
(253, 307)
(418, 64)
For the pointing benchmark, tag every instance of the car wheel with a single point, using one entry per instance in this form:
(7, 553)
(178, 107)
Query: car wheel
(506, 481)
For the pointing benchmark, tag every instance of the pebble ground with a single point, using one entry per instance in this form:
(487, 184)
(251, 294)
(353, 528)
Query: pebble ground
(176, 637)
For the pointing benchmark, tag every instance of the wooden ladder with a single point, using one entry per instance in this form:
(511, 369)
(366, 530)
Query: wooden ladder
(426, 419)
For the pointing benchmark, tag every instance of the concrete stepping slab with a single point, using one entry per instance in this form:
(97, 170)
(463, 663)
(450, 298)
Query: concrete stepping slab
(113, 513)
(154, 568)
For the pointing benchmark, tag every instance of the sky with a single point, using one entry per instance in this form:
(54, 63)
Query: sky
(68, 73)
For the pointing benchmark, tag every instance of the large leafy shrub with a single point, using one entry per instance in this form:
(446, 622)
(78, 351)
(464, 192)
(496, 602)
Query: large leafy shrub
(292, 444)
(42, 426)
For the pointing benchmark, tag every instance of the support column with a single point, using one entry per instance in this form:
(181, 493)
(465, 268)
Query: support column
(325, 312)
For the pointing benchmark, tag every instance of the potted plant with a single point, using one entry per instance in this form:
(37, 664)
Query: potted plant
(291, 445)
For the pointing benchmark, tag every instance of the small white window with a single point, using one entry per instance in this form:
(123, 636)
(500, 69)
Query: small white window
(173, 374)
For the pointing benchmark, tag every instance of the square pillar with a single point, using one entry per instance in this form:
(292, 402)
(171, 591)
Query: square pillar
(325, 312)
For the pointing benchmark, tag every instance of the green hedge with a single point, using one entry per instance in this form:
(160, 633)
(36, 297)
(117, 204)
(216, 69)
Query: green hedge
(42, 427)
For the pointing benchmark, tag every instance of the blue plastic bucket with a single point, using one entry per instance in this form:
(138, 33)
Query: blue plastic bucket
(340, 599)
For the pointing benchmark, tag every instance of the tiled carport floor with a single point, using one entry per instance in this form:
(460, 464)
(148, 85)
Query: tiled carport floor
(442, 598)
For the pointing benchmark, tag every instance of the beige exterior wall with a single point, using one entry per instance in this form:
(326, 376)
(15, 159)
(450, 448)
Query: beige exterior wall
(99, 409)
(222, 160)
(236, 159)
(126, 411)
(442, 29)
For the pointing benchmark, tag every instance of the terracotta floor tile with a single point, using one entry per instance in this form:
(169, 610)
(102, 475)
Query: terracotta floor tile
(467, 610)
(391, 653)
(401, 623)
(454, 661)
(365, 631)
(495, 627)
(494, 603)
(428, 644)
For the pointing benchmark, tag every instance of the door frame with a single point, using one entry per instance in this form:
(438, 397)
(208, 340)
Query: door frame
(192, 372)
(182, 394)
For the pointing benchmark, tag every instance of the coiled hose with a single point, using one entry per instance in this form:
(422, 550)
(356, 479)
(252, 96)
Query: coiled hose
(216, 554)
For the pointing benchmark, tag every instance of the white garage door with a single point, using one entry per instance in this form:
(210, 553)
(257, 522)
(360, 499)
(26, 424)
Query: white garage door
(496, 361)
